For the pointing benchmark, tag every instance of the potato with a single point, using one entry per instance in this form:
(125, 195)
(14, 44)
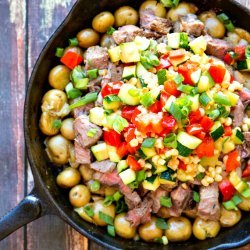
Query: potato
(87, 38)
(67, 129)
(46, 124)
(149, 231)
(79, 196)
(68, 178)
(86, 172)
(157, 8)
(180, 229)
(181, 9)
(233, 38)
(243, 34)
(107, 41)
(229, 218)
(245, 204)
(103, 21)
(83, 214)
(126, 15)
(205, 229)
(215, 27)
(74, 49)
(59, 77)
(123, 227)
(57, 148)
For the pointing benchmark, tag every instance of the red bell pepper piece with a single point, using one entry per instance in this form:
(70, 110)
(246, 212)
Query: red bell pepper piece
(228, 130)
(206, 148)
(71, 59)
(206, 123)
(164, 63)
(134, 116)
(228, 59)
(164, 97)
(156, 107)
(173, 54)
(195, 116)
(201, 135)
(133, 163)
(127, 112)
(171, 88)
(169, 123)
(182, 166)
(194, 129)
(129, 134)
(233, 161)
(111, 89)
(122, 149)
(227, 189)
(186, 70)
(217, 72)
(112, 138)
(246, 171)
(132, 150)
(240, 51)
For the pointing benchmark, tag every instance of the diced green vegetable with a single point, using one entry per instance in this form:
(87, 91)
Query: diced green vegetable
(166, 201)
(246, 193)
(170, 141)
(129, 72)
(106, 218)
(196, 197)
(111, 102)
(91, 132)
(57, 124)
(111, 30)
(148, 152)
(126, 97)
(89, 211)
(122, 165)
(73, 41)
(115, 54)
(226, 21)
(247, 52)
(128, 176)
(92, 73)
(170, 3)
(198, 45)
(142, 43)
(236, 199)
(244, 65)
(175, 111)
(161, 74)
(205, 99)
(129, 52)
(222, 99)
(59, 52)
(147, 100)
(72, 92)
(119, 124)
(161, 223)
(187, 89)
(229, 205)
(90, 97)
(95, 186)
(113, 155)
(97, 116)
(111, 230)
(100, 151)
(148, 142)
(151, 183)
(217, 131)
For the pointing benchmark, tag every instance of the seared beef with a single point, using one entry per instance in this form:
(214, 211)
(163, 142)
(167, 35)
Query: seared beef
(238, 77)
(81, 127)
(95, 84)
(244, 150)
(238, 114)
(209, 207)
(156, 196)
(127, 33)
(83, 110)
(97, 58)
(108, 179)
(132, 199)
(82, 154)
(180, 199)
(103, 166)
(247, 138)
(148, 21)
(141, 214)
(217, 47)
(114, 74)
(190, 24)
(245, 96)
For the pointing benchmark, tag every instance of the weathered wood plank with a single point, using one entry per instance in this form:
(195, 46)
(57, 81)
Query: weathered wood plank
(12, 85)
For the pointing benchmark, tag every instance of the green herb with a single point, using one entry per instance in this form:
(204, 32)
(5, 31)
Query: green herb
(161, 74)
(121, 206)
(185, 110)
(108, 111)
(222, 99)
(92, 132)
(95, 186)
(149, 60)
(187, 89)
(170, 141)
(148, 143)
(178, 79)
(73, 42)
(226, 21)
(106, 218)
(196, 197)
(108, 200)
(111, 30)
(229, 205)
(166, 201)
(74, 93)
(141, 176)
(59, 52)
(247, 52)
(236, 200)
(117, 196)
(161, 223)
(77, 74)
(92, 73)
(133, 185)
(246, 193)
(134, 92)
(111, 230)
(57, 124)
(112, 98)
(119, 124)
(170, 3)
(90, 97)
(184, 43)
(146, 100)
(89, 211)
(199, 176)
(214, 114)
(205, 99)
(175, 111)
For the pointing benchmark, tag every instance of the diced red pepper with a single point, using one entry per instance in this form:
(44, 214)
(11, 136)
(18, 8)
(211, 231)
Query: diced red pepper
(206, 123)
(227, 189)
(130, 134)
(122, 149)
(132, 150)
(217, 72)
(71, 59)
(240, 51)
(186, 70)
(173, 54)
(127, 112)
(169, 123)
(112, 138)
(206, 148)
(228, 59)
(194, 129)
(111, 89)
(156, 124)
(246, 171)
(233, 161)
(164, 63)
(133, 163)
(134, 116)
(182, 165)
(201, 135)
(228, 130)
(171, 88)
(164, 97)
(195, 116)
(156, 107)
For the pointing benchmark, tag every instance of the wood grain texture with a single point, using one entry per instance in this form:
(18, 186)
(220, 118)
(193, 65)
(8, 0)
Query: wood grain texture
(26, 27)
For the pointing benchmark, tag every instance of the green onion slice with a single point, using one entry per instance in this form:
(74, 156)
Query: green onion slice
(111, 30)
(73, 42)
(95, 186)
(89, 211)
(247, 52)
(161, 74)
(111, 230)
(90, 97)
(146, 100)
(92, 73)
(106, 218)
(170, 141)
(166, 201)
(196, 197)
(175, 111)
(148, 143)
(57, 124)
(59, 52)
(161, 223)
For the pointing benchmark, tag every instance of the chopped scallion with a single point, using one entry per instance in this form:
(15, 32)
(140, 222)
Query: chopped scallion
(236, 200)
(246, 193)
(92, 73)
(175, 111)
(196, 197)
(108, 200)
(91, 132)
(204, 99)
(161, 223)
(141, 176)
(222, 99)
(106, 218)
(199, 176)
(90, 97)
(214, 114)
(148, 143)
(59, 52)
(73, 42)
(229, 205)
(119, 124)
(170, 3)
(187, 89)
(112, 98)
(247, 52)
(147, 100)
(161, 74)
(170, 141)
(117, 196)
(95, 186)
(134, 92)
(166, 201)
(178, 79)
(89, 211)
(110, 30)
(57, 124)
(111, 230)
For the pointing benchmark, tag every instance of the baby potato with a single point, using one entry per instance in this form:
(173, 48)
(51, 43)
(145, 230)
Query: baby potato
(57, 148)
(72, 156)
(205, 229)
(229, 218)
(245, 204)
(86, 172)
(123, 227)
(149, 231)
(215, 27)
(157, 8)
(59, 77)
(67, 129)
(243, 34)
(68, 178)
(205, 15)
(107, 41)
(79, 196)
(103, 21)
(180, 229)
(126, 15)
(46, 124)
(87, 38)
(83, 214)
(233, 38)
(73, 49)
(181, 9)
(98, 207)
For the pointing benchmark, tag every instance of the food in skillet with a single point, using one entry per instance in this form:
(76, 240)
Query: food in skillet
(151, 128)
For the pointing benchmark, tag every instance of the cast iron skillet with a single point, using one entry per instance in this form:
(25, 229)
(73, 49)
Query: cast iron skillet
(46, 197)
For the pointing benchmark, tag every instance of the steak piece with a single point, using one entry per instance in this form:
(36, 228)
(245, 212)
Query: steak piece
(126, 33)
(95, 84)
(244, 150)
(148, 21)
(217, 47)
(83, 110)
(245, 96)
(209, 207)
(156, 196)
(141, 214)
(81, 127)
(96, 58)
(238, 114)
(103, 166)
(114, 74)
(82, 154)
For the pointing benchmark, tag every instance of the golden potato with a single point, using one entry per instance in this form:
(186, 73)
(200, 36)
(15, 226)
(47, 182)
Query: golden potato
(126, 15)
(229, 218)
(81, 211)
(46, 124)
(87, 38)
(59, 77)
(245, 204)
(107, 41)
(79, 196)
(157, 8)
(103, 21)
(68, 178)
(67, 129)
(74, 49)
(215, 27)
(86, 172)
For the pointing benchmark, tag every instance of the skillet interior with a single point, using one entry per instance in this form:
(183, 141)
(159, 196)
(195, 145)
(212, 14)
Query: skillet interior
(79, 18)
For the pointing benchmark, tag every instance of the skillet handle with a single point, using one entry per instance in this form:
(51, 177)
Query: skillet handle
(27, 210)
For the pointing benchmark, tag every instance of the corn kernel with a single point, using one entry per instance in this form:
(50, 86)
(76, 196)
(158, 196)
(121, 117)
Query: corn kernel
(161, 162)
(134, 143)
(209, 179)
(228, 121)
(218, 178)
(148, 165)
(204, 182)
(218, 170)
(201, 169)
(245, 127)
(142, 162)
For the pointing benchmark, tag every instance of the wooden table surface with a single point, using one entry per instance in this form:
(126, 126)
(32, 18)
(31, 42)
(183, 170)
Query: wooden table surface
(25, 28)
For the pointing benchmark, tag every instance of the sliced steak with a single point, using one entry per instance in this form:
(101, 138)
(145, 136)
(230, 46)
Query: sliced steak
(180, 200)
(108, 179)
(103, 166)
(132, 199)
(96, 58)
(148, 21)
(244, 150)
(95, 84)
(156, 196)
(114, 74)
(238, 114)
(217, 47)
(81, 127)
(245, 96)
(209, 207)
(82, 154)
(247, 138)
(126, 33)
(190, 24)
(239, 77)
(83, 110)
(141, 214)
